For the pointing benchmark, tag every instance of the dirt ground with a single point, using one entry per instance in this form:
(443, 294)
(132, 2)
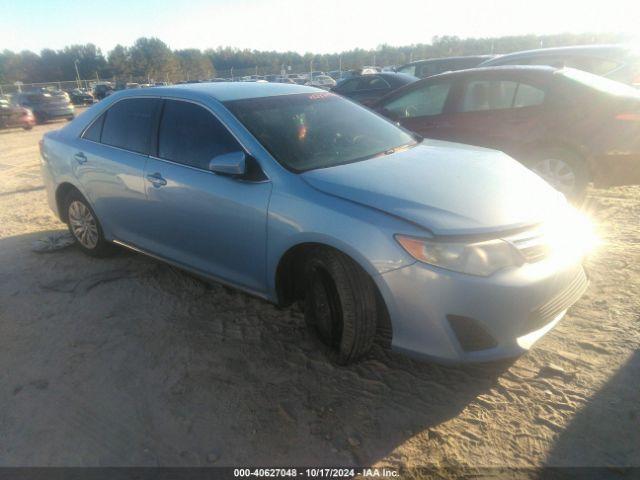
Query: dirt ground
(127, 361)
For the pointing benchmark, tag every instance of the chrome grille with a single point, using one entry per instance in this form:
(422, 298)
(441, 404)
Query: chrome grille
(531, 244)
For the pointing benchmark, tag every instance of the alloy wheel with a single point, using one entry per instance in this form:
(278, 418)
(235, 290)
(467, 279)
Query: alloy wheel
(557, 173)
(83, 225)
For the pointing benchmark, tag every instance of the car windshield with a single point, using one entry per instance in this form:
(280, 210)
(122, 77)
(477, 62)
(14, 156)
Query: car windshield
(318, 130)
(599, 83)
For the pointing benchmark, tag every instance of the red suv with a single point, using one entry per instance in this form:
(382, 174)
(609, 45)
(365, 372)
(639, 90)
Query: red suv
(569, 126)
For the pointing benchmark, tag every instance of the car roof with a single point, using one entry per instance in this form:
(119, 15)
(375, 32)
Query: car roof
(391, 75)
(605, 50)
(228, 91)
(535, 69)
(395, 77)
(448, 59)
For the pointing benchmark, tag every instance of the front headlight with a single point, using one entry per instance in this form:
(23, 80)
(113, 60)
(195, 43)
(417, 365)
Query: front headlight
(480, 258)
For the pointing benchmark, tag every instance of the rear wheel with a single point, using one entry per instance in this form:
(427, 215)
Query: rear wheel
(340, 304)
(85, 227)
(563, 170)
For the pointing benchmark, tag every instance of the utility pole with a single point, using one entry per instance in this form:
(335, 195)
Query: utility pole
(340, 65)
(75, 64)
(232, 74)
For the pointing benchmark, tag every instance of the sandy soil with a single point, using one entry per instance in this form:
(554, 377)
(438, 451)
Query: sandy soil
(127, 361)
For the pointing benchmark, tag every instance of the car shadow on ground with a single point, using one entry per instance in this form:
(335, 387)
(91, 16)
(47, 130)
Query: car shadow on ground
(128, 361)
(610, 419)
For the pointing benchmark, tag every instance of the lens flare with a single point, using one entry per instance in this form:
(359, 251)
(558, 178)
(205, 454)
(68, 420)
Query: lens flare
(571, 235)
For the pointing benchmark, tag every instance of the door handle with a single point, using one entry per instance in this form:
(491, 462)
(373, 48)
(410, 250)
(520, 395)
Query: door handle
(80, 158)
(156, 179)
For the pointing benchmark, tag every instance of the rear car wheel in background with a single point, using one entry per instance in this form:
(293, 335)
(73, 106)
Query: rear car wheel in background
(84, 226)
(339, 304)
(564, 170)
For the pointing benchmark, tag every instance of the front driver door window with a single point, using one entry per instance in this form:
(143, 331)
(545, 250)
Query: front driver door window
(211, 223)
(422, 109)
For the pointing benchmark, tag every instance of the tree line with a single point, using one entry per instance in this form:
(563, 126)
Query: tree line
(150, 59)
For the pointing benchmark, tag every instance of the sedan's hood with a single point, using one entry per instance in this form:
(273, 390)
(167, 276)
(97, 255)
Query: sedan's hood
(447, 188)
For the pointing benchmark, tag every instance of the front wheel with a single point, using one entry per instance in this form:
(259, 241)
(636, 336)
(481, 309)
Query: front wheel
(85, 227)
(340, 304)
(563, 170)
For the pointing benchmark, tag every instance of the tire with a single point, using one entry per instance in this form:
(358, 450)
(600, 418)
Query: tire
(84, 226)
(40, 119)
(340, 304)
(556, 164)
(27, 127)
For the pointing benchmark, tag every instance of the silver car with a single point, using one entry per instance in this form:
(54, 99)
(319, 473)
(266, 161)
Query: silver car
(292, 193)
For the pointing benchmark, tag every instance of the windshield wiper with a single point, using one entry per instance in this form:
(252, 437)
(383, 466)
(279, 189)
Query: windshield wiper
(406, 146)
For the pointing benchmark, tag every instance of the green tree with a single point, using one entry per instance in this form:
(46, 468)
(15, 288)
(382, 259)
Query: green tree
(194, 65)
(151, 59)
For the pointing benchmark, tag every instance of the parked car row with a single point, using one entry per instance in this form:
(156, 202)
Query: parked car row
(38, 107)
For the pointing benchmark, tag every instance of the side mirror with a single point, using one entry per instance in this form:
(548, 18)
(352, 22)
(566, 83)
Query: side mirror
(234, 163)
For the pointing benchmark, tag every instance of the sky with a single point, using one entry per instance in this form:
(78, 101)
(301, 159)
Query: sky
(325, 26)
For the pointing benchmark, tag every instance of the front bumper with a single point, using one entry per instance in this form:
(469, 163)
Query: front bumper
(514, 307)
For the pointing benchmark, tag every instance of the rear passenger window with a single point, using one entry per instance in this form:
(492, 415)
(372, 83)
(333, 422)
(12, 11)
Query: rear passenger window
(128, 124)
(488, 95)
(528, 96)
(191, 135)
(93, 132)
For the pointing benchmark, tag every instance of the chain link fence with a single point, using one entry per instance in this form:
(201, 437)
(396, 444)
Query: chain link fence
(25, 87)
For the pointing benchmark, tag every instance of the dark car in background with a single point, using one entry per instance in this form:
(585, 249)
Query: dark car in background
(45, 106)
(15, 115)
(367, 89)
(435, 66)
(616, 62)
(567, 125)
(102, 90)
(80, 96)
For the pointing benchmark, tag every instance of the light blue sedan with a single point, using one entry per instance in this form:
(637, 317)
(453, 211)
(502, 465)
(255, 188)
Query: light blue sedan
(287, 192)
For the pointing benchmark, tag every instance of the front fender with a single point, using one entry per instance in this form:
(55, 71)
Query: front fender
(364, 234)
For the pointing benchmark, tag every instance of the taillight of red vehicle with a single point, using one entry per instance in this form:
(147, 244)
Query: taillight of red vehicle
(629, 116)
